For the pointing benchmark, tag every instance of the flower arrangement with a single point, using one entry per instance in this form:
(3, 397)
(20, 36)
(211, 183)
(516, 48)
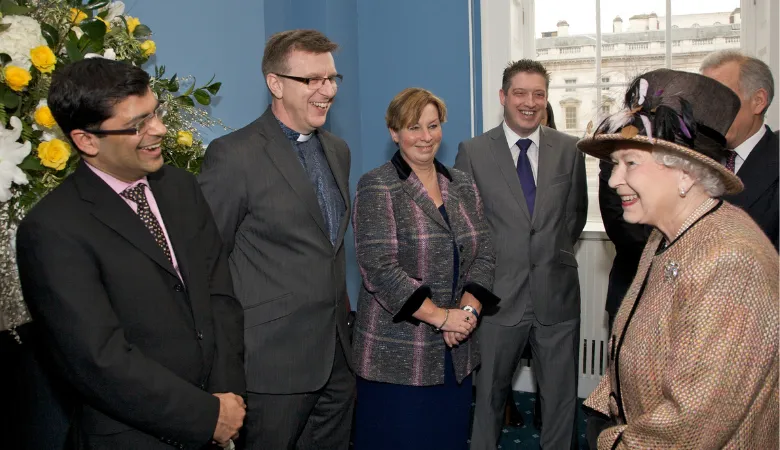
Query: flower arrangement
(37, 37)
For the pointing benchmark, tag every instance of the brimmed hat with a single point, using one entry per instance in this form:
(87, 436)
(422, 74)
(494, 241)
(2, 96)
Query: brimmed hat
(683, 112)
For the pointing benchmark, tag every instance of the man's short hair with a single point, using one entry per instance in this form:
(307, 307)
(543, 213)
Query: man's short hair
(754, 74)
(406, 108)
(280, 45)
(83, 94)
(523, 65)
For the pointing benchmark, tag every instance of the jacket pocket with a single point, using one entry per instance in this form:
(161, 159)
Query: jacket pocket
(559, 179)
(268, 310)
(567, 258)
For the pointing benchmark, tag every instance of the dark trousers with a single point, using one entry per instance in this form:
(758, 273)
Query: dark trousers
(319, 420)
(555, 350)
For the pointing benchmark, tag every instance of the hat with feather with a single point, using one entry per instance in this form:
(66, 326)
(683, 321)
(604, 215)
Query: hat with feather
(682, 112)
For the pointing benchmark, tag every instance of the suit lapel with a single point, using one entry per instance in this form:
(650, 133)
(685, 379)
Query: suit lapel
(172, 218)
(544, 170)
(503, 158)
(415, 189)
(109, 208)
(337, 170)
(282, 154)
(754, 173)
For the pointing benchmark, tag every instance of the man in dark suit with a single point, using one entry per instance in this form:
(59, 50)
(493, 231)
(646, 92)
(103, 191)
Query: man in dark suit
(532, 181)
(123, 271)
(629, 240)
(755, 148)
(279, 190)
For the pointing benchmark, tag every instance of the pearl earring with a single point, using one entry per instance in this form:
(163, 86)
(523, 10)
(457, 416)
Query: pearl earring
(682, 192)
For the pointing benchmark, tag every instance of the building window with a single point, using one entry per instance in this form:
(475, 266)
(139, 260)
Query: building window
(571, 117)
(570, 82)
(605, 109)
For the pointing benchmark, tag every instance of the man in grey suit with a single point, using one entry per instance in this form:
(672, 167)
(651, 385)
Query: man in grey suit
(532, 181)
(279, 190)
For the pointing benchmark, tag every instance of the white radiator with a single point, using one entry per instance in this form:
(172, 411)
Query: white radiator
(594, 256)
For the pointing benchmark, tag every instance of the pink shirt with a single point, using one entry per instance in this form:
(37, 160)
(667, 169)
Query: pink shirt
(118, 186)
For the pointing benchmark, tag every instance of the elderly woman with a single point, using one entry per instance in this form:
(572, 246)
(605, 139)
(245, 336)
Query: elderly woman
(425, 254)
(694, 348)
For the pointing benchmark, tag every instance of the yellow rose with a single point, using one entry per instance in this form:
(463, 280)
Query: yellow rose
(43, 59)
(54, 153)
(184, 138)
(132, 22)
(44, 118)
(149, 48)
(16, 78)
(76, 16)
(108, 26)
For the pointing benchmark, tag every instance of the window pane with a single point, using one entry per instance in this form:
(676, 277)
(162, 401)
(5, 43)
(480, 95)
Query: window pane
(565, 43)
(632, 38)
(697, 31)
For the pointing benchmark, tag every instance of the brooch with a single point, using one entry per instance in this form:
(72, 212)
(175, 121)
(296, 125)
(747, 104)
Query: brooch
(671, 270)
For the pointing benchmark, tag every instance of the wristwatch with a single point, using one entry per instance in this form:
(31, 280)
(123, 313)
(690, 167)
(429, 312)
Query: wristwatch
(471, 309)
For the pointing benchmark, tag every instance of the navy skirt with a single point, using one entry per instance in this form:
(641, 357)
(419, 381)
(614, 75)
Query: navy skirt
(399, 417)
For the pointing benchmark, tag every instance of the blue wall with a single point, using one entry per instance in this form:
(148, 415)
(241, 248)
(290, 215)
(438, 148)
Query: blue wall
(385, 47)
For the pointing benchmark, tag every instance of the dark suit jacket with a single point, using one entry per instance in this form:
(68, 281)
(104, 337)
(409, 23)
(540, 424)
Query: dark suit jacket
(288, 276)
(629, 240)
(759, 173)
(535, 259)
(141, 349)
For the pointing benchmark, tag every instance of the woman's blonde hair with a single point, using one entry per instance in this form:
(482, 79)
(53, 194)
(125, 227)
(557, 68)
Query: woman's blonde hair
(407, 107)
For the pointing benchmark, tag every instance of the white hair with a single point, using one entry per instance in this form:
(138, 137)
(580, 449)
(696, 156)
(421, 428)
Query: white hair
(706, 177)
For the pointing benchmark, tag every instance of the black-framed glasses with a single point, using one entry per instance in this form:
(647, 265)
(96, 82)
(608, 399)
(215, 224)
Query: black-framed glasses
(140, 128)
(315, 82)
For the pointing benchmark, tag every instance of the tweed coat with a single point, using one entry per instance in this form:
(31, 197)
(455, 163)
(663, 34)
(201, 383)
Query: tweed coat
(694, 350)
(405, 253)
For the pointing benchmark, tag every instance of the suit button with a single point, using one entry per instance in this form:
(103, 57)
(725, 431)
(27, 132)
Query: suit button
(533, 266)
(200, 335)
(533, 232)
(178, 288)
(461, 248)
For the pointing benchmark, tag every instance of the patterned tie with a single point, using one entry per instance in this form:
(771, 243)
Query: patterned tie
(526, 174)
(731, 160)
(136, 194)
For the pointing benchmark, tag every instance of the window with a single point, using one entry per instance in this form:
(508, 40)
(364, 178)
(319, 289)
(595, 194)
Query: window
(594, 48)
(571, 117)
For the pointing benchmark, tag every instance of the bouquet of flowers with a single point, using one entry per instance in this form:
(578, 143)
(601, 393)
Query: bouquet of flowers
(36, 38)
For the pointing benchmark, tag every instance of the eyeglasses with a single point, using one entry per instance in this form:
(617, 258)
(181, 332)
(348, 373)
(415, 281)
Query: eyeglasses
(315, 82)
(142, 127)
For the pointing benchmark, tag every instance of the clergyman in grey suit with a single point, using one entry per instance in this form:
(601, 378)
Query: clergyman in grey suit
(532, 182)
(279, 191)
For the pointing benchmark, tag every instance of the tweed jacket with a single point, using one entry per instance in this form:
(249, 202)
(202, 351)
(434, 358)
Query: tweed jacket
(405, 253)
(694, 350)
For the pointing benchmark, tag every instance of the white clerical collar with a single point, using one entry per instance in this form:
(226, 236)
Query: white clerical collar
(744, 149)
(512, 137)
(305, 137)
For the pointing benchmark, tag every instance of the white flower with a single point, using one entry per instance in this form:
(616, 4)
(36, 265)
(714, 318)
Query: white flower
(115, 9)
(23, 35)
(108, 54)
(12, 153)
(79, 32)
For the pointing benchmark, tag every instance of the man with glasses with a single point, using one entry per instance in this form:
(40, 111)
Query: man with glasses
(279, 190)
(124, 274)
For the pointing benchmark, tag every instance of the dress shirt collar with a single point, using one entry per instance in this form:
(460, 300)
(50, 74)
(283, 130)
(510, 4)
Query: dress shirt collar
(114, 183)
(512, 137)
(744, 149)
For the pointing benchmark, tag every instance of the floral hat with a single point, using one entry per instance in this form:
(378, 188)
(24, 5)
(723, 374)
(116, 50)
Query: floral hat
(683, 112)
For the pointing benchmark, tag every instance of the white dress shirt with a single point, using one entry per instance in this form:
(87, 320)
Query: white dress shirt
(743, 150)
(533, 150)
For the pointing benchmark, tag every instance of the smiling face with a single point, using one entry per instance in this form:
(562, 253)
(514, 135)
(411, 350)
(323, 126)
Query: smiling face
(296, 104)
(420, 141)
(648, 190)
(524, 102)
(128, 158)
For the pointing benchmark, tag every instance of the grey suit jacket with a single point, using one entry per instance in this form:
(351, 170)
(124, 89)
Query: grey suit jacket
(288, 276)
(534, 255)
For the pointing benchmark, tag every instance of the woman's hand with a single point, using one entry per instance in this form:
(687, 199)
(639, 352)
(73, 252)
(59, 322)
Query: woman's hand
(453, 339)
(459, 321)
(470, 300)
